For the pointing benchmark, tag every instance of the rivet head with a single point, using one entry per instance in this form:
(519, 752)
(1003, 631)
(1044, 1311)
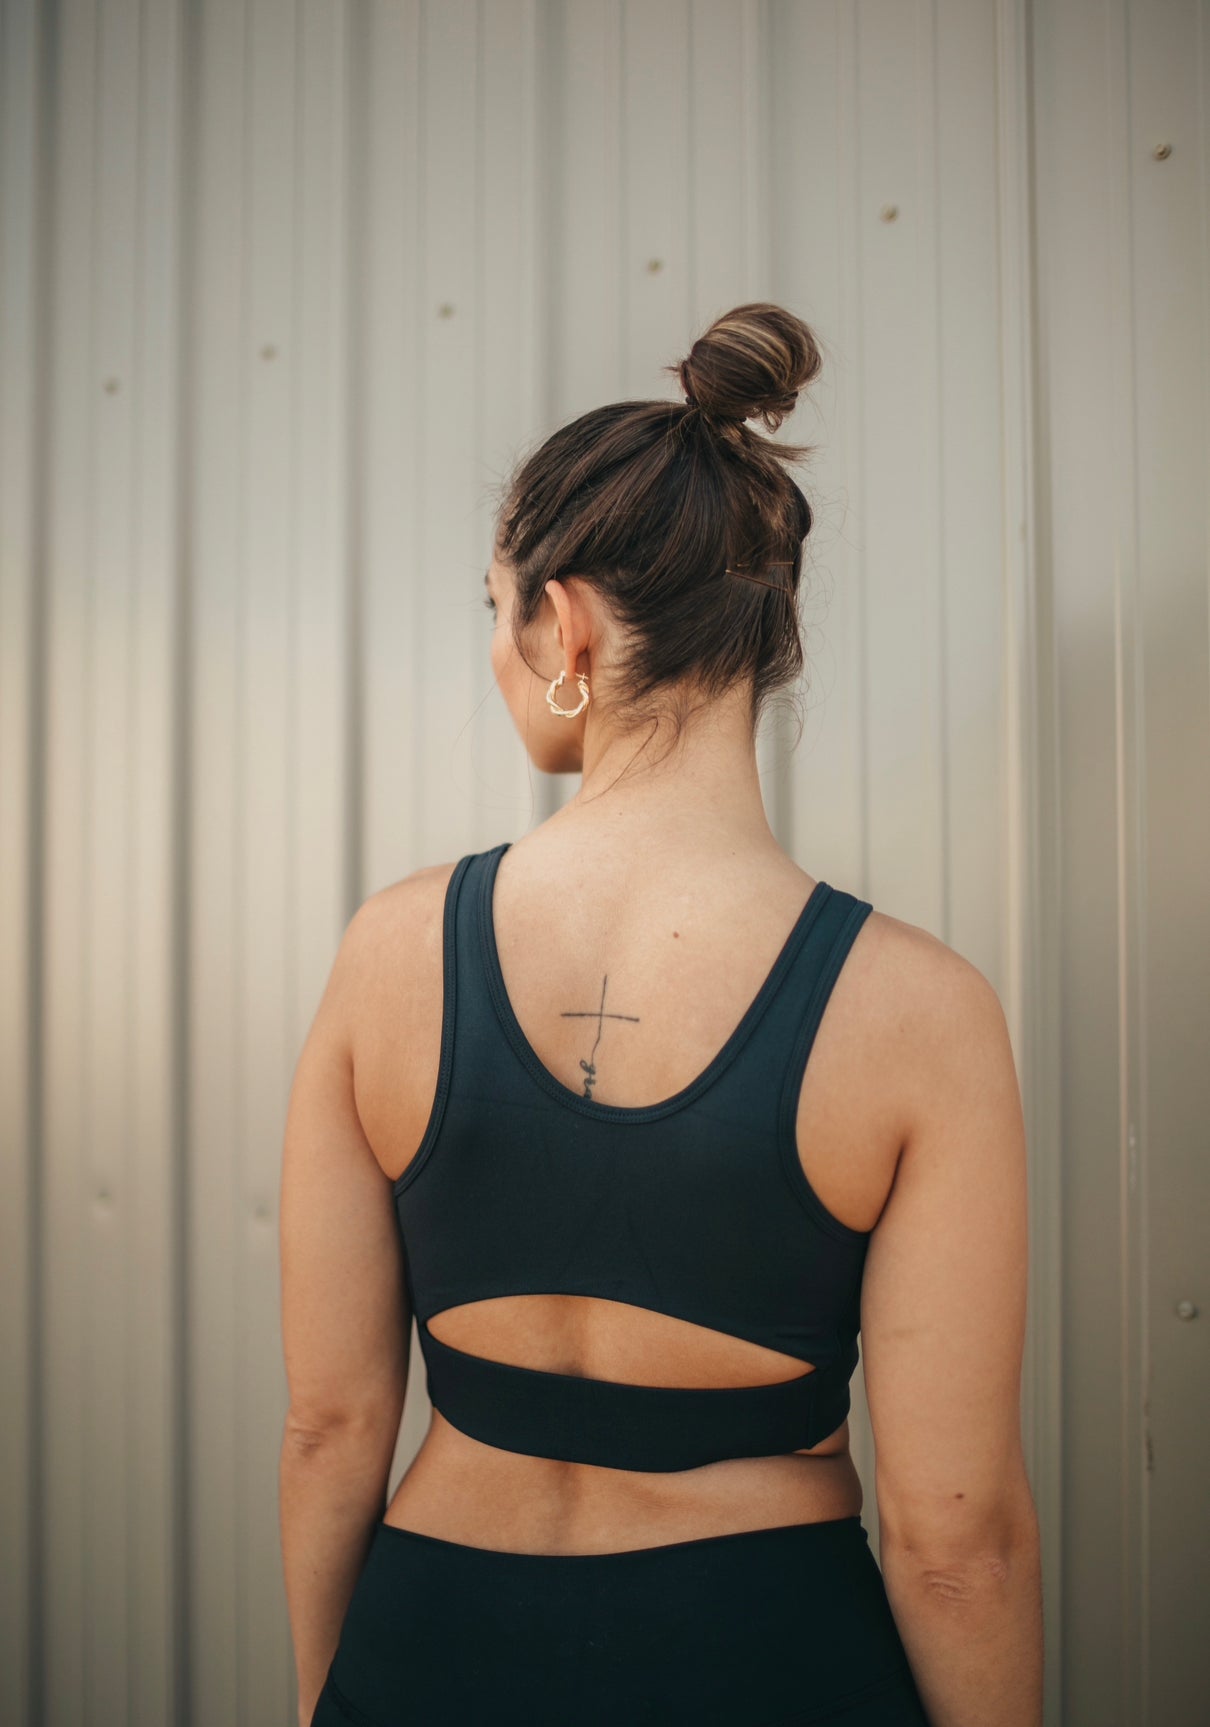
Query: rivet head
(1162, 152)
(889, 213)
(1186, 1310)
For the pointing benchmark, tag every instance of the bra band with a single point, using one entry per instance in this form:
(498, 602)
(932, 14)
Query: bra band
(650, 1428)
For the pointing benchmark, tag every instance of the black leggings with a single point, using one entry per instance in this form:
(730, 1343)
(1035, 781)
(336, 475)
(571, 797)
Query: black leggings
(779, 1627)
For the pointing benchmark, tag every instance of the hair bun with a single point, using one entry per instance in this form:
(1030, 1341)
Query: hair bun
(750, 364)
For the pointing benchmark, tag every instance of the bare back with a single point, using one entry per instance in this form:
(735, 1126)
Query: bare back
(683, 963)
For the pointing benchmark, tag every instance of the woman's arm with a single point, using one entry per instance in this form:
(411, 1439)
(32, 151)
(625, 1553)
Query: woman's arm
(346, 1329)
(943, 1326)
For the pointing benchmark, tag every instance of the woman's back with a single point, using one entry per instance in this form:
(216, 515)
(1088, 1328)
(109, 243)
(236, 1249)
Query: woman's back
(682, 951)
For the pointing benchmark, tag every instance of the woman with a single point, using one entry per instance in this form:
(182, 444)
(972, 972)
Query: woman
(576, 1104)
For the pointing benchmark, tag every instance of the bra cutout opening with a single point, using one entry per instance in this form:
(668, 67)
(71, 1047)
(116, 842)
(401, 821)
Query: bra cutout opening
(597, 1337)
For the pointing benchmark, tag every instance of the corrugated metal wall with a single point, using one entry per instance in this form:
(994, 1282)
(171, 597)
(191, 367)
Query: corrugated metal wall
(1123, 98)
(285, 288)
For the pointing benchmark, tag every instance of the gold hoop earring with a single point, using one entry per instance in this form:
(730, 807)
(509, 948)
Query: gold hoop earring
(567, 713)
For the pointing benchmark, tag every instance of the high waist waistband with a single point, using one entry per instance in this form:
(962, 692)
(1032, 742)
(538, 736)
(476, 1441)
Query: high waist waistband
(769, 1627)
(823, 1530)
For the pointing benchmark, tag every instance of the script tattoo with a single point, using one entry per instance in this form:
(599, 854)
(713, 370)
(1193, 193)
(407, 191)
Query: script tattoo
(599, 1014)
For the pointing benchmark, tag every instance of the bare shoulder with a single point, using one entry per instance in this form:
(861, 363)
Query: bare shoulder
(937, 976)
(395, 1009)
(405, 911)
(390, 955)
(935, 1019)
(894, 1043)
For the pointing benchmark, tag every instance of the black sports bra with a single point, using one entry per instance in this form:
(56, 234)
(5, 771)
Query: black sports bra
(697, 1207)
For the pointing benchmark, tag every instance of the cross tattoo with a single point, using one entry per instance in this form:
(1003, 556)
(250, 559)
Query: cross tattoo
(599, 1014)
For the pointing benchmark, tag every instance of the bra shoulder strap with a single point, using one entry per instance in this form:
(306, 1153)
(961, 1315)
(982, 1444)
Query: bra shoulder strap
(827, 949)
(458, 957)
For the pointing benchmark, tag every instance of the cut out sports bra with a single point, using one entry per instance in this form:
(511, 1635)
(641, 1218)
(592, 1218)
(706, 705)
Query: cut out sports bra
(697, 1207)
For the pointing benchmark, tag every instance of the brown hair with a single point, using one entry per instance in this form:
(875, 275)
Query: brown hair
(654, 503)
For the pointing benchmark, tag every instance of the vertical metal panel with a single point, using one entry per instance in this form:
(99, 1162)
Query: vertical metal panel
(516, 147)
(219, 337)
(1093, 596)
(22, 188)
(1028, 974)
(901, 461)
(143, 1128)
(129, 1319)
(653, 257)
(105, 1622)
(387, 428)
(815, 263)
(106, 1337)
(245, 368)
(69, 1198)
(728, 122)
(588, 364)
(1165, 91)
(269, 714)
(1123, 289)
(444, 626)
(324, 887)
(975, 444)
